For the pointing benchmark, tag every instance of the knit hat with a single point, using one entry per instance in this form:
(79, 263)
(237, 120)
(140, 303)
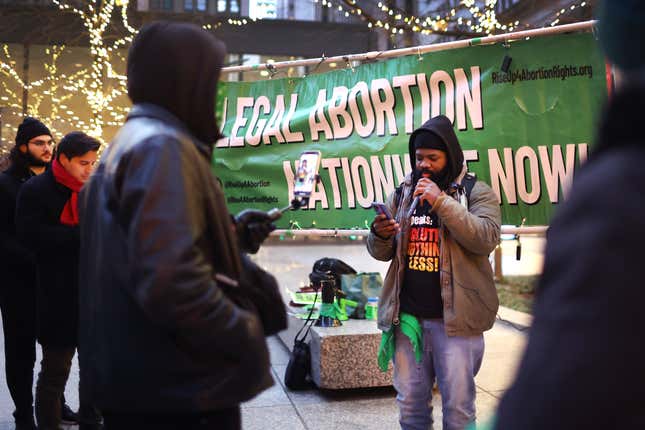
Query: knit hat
(621, 32)
(30, 128)
(428, 140)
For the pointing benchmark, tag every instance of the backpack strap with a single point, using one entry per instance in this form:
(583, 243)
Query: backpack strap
(306, 324)
(468, 183)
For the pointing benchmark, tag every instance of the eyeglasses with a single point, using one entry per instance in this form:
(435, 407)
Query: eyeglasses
(40, 142)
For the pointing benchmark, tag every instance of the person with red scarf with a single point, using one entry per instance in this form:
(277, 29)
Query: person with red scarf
(47, 219)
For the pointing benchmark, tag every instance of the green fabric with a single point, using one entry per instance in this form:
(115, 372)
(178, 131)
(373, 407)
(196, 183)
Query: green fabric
(489, 425)
(328, 310)
(341, 312)
(347, 302)
(410, 327)
(333, 310)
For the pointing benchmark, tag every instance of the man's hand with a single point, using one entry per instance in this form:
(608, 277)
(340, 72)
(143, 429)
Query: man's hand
(252, 228)
(427, 191)
(384, 227)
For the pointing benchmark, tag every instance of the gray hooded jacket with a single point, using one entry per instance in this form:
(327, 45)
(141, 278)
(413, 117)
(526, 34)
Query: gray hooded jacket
(467, 236)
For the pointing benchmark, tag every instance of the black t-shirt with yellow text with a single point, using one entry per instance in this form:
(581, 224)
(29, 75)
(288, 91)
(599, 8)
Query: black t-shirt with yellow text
(421, 291)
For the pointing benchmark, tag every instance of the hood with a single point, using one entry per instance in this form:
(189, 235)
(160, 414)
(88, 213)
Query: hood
(442, 127)
(620, 118)
(176, 66)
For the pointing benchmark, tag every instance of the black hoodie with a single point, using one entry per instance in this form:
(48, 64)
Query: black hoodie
(442, 127)
(185, 80)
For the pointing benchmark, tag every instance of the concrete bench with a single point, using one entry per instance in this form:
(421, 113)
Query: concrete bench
(342, 357)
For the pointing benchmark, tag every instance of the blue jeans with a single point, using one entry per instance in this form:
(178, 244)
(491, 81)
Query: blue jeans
(453, 361)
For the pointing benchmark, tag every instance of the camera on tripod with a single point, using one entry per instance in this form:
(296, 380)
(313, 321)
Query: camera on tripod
(326, 282)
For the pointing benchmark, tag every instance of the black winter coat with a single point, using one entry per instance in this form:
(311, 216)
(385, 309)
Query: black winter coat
(14, 256)
(583, 366)
(39, 205)
(17, 263)
(158, 335)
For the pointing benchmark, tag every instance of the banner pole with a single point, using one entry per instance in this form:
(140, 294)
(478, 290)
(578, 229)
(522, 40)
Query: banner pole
(417, 50)
(532, 230)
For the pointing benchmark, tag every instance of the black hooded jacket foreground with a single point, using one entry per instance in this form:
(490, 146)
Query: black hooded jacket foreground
(157, 333)
(585, 339)
(176, 66)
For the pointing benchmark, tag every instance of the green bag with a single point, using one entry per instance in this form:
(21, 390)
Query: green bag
(359, 287)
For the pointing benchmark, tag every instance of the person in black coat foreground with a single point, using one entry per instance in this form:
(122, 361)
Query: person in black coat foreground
(166, 347)
(47, 220)
(583, 366)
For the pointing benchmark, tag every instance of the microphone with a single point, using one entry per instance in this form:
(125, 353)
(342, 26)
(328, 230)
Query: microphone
(413, 206)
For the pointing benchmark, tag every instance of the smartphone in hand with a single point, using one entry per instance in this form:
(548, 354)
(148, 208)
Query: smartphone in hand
(381, 209)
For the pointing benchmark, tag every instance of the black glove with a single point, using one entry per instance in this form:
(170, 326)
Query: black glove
(252, 228)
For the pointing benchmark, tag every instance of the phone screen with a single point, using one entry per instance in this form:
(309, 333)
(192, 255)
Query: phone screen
(381, 209)
(305, 178)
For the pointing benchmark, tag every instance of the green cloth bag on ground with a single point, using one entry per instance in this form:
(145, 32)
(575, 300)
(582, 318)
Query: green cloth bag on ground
(359, 287)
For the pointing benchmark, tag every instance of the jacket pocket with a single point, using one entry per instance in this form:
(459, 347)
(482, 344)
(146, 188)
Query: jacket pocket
(477, 313)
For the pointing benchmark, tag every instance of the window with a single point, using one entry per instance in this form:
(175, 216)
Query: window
(166, 5)
(195, 5)
(228, 6)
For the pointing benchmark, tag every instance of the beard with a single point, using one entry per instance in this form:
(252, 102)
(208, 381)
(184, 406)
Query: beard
(35, 162)
(440, 178)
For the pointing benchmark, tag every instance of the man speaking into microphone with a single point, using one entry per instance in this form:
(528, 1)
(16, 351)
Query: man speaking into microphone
(439, 295)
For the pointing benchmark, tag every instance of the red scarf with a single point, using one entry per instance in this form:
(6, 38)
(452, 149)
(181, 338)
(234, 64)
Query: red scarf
(69, 215)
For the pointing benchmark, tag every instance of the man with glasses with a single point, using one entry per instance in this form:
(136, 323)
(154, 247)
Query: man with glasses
(29, 157)
(47, 221)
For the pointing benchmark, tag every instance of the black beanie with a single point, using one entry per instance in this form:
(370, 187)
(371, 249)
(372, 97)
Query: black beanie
(30, 128)
(620, 26)
(428, 140)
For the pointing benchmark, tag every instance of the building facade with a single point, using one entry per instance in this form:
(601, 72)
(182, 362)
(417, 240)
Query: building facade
(49, 65)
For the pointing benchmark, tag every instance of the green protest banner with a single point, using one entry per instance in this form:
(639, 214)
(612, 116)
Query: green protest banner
(524, 132)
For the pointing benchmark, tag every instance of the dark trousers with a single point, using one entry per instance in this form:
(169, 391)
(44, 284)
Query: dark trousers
(18, 306)
(52, 379)
(223, 419)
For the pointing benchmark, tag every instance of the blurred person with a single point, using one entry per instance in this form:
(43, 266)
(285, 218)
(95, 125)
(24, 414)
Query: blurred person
(29, 157)
(168, 349)
(302, 172)
(47, 221)
(582, 367)
(439, 295)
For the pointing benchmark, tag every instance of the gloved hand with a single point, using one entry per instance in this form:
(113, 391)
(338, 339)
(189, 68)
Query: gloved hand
(252, 228)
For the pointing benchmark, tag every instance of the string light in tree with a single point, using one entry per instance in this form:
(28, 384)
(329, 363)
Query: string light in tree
(567, 10)
(98, 85)
(395, 20)
(47, 96)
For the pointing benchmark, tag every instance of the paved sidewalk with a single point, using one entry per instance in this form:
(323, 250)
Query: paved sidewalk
(374, 408)
(371, 408)
(348, 409)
